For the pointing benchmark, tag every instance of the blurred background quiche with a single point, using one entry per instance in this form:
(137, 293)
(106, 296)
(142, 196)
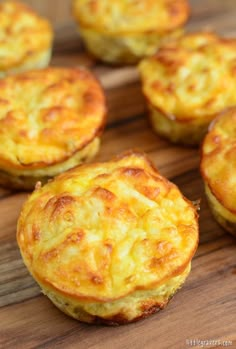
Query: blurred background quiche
(109, 242)
(218, 168)
(187, 83)
(25, 39)
(50, 120)
(123, 31)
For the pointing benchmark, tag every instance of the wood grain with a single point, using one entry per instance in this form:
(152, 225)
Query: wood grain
(205, 308)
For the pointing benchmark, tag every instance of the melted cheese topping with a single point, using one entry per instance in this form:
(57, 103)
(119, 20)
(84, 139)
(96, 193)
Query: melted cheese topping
(102, 231)
(218, 165)
(47, 116)
(22, 34)
(127, 16)
(191, 78)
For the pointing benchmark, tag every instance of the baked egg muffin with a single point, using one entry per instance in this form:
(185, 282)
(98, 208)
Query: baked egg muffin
(109, 242)
(123, 31)
(50, 121)
(218, 168)
(25, 39)
(187, 82)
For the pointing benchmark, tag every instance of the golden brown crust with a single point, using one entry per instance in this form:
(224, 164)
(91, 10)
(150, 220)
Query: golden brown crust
(218, 161)
(192, 78)
(23, 34)
(128, 17)
(118, 226)
(123, 32)
(54, 113)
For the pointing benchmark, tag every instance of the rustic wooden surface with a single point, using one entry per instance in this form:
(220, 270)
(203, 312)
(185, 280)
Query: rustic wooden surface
(205, 308)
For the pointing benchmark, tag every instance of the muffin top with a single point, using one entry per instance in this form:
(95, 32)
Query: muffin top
(22, 33)
(128, 16)
(218, 165)
(103, 230)
(192, 77)
(48, 115)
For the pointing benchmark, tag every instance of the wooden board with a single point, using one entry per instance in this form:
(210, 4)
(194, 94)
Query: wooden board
(205, 308)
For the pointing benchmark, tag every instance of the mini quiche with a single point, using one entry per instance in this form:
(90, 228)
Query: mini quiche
(123, 31)
(187, 82)
(25, 39)
(50, 121)
(109, 242)
(218, 168)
